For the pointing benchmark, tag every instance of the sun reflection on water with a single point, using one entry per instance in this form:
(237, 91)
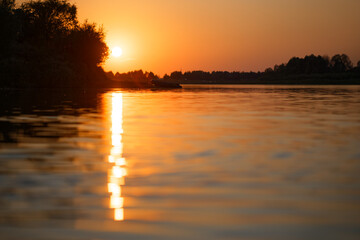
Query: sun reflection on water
(116, 176)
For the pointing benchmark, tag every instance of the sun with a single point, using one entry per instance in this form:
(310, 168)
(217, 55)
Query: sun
(116, 52)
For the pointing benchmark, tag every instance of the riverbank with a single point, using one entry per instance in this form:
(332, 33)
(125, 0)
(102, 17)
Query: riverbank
(352, 78)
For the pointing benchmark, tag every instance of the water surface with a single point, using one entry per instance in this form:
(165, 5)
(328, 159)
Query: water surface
(203, 162)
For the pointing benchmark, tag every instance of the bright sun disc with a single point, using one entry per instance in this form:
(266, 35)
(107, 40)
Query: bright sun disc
(116, 52)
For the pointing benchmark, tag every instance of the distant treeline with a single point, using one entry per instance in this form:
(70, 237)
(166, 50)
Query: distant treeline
(133, 79)
(315, 70)
(308, 70)
(42, 44)
(215, 77)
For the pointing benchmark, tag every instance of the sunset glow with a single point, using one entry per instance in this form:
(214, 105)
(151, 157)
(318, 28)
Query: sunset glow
(116, 52)
(164, 36)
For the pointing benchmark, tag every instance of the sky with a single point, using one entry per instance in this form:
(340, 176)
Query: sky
(226, 35)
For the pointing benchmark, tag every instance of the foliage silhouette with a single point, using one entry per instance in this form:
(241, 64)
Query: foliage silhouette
(45, 46)
(86, 44)
(48, 21)
(8, 26)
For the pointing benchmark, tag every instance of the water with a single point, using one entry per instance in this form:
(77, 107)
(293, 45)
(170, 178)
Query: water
(203, 162)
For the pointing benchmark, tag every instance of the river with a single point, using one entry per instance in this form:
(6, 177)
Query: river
(202, 162)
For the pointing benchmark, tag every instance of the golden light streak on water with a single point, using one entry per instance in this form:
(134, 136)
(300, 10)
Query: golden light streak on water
(117, 172)
(119, 214)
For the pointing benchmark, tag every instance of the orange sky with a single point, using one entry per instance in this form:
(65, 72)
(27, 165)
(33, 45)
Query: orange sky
(234, 35)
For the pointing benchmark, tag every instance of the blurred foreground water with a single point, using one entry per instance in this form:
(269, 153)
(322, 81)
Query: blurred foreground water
(203, 162)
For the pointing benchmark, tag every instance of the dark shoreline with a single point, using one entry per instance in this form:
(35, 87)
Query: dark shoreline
(326, 79)
(279, 84)
(84, 89)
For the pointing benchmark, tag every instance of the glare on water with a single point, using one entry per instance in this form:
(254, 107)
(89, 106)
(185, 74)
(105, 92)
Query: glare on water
(118, 171)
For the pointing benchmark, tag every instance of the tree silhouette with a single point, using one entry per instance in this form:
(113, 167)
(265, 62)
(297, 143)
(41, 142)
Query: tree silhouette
(152, 76)
(341, 63)
(49, 20)
(176, 75)
(86, 44)
(42, 44)
(315, 64)
(8, 26)
(166, 77)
